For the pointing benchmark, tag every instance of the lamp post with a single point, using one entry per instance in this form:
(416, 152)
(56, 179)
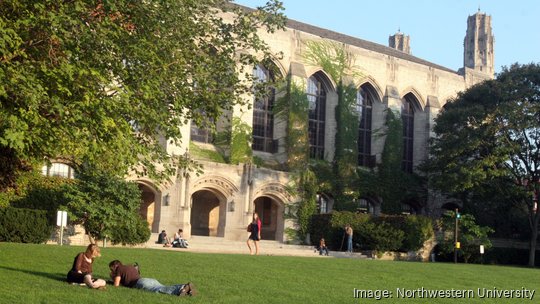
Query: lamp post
(457, 245)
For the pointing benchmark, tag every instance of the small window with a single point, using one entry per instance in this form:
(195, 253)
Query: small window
(322, 203)
(58, 169)
(407, 209)
(365, 206)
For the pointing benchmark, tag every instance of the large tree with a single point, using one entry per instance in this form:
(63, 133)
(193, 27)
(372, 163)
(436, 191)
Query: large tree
(490, 134)
(102, 81)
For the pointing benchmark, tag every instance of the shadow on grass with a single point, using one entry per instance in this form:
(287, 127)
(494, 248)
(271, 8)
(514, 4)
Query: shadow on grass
(52, 276)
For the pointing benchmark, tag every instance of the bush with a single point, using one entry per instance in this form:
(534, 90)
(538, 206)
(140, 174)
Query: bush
(383, 233)
(24, 225)
(380, 237)
(331, 227)
(417, 229)
(131, 233)
(107, 206)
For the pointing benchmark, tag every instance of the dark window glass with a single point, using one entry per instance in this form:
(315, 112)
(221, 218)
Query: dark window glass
(407, 117)
(201, 133)
(364, 107)
(263, 119)
(316, 95)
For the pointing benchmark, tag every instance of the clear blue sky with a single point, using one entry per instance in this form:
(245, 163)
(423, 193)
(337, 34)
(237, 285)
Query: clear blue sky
(436, 27)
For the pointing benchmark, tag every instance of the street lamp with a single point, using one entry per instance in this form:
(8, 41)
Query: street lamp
(457, 245)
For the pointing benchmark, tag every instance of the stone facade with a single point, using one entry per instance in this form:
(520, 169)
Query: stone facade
(220, 202)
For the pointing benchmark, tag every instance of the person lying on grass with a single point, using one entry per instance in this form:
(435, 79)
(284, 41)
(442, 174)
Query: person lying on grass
(81, 271)
(129, 276)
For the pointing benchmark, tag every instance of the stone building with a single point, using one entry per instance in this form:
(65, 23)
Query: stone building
(220, 202)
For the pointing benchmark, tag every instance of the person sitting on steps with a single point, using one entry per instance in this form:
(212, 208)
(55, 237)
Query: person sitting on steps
(164, 239)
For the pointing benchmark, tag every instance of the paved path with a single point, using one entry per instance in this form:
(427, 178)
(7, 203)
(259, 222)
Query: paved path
(220, 245)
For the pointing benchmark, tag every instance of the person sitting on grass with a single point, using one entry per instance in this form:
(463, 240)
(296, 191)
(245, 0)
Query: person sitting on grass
(81, 271)
(129, 276)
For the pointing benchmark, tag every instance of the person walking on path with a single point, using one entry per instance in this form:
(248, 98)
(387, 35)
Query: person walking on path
(349, 233)
(129, 276)
(255, 233)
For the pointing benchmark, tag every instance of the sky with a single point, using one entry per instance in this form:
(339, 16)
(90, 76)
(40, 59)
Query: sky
(436, 27)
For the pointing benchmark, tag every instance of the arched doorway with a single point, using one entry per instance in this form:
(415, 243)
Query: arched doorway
(148, 204)
(271, 218)
(207, 214)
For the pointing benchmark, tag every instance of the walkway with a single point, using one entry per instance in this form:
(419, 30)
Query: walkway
(220, 245)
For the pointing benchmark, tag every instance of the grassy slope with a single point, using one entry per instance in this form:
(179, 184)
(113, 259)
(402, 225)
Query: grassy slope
(35, 274)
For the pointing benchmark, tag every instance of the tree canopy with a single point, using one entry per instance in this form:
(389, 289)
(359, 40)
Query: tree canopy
(490, 134)
(103, 81)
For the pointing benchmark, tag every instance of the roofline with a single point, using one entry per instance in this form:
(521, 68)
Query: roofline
(350, 40)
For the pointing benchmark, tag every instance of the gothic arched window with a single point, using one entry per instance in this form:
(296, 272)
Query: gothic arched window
(316, 94)
(364, 108)
(263, 119)
(407, 117)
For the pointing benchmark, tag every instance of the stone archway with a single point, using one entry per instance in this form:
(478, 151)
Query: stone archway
(207, 216)
(268, 211)
(269, 203)
(147, 209)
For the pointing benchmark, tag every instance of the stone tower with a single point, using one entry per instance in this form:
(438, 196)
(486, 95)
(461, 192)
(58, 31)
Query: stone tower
(478, 44)
(400, 42)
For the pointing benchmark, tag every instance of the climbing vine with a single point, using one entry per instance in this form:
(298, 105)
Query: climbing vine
(240, 142)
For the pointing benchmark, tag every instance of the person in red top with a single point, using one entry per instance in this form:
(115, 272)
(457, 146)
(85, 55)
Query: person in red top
(81, 271)
(129, 276)
(255, 230)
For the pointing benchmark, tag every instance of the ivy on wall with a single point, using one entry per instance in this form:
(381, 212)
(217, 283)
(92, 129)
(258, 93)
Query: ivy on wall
(293, 107)
(338, 63)
(346, 153)
(390, 175)
(389, 182)
(240, 142)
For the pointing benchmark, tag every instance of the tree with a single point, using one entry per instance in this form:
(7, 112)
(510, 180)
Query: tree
(107, 207)
(490, 134)
(470, 235)
(103, 81)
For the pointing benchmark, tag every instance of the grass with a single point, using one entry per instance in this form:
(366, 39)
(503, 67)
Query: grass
(36, 274)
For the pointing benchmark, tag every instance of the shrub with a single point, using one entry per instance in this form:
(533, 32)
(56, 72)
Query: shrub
(135, 232)
(107, 206)
(417, 229)
(380, 237)
(24, 225)
(383, 233)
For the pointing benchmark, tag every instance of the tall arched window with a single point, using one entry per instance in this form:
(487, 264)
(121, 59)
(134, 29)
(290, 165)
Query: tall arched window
(364, 108)
(316, 95)
(263, 119)
(407, 117)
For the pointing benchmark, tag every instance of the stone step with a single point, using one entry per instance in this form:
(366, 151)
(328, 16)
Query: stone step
(211, 244)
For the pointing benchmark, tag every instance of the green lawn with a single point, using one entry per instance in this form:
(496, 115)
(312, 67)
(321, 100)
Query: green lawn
(36, 274)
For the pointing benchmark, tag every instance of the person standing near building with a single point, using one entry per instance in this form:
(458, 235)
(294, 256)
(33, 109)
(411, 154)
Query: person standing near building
(255, 233)
(128, 276)
(349, 233)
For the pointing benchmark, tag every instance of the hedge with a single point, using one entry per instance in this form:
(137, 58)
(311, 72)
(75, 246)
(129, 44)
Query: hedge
(382, 233)
(21, 225)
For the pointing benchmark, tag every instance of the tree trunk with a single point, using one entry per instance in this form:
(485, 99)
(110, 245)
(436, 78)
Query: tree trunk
(534, 237)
